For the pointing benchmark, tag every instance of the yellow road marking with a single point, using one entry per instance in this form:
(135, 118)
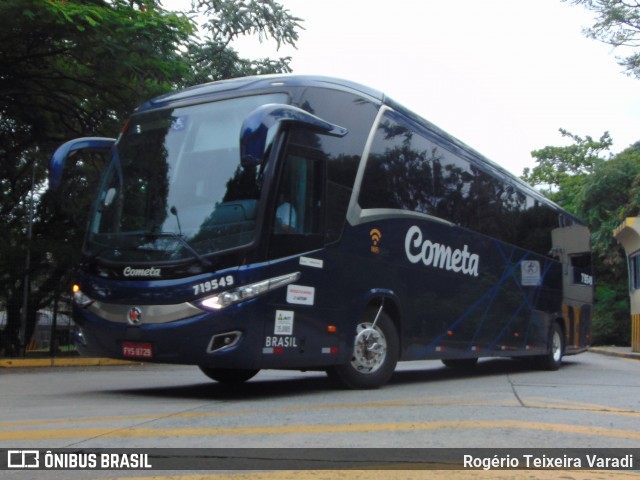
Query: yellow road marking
(533, 402)
(127, 432)
(381, 404)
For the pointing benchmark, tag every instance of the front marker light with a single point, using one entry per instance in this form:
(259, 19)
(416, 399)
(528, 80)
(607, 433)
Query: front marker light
(80, 298)
(246, 292)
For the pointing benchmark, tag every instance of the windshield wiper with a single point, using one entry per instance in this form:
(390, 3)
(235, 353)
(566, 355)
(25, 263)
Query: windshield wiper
(203, 261)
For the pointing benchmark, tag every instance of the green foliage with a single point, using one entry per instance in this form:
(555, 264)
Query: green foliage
(266, 18)
(608, 196)
(561, 171)
(617, 24)
(212, 58)
(209, 63)
(611, 320)
(83, 66)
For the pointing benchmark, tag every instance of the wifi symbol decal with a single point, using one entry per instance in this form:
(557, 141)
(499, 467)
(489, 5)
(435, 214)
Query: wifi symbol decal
(375, 235)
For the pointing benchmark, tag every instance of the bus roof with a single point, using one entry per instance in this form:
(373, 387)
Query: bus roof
(259, 82)
(268, 82)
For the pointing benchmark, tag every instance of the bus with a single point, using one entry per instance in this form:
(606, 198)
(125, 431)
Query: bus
(311, 223)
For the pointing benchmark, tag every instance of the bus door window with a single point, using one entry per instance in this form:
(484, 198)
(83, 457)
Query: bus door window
(290, 198)
(299, 217)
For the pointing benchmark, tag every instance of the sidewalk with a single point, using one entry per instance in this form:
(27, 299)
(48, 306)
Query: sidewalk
(623, 352)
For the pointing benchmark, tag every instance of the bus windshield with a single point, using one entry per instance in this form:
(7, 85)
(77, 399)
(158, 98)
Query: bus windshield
(175, 188)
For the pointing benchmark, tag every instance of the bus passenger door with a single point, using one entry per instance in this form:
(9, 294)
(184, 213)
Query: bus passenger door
(295, 325)
(572, 246)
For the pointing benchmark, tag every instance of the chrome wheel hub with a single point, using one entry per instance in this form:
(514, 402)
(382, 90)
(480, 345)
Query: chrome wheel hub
(556, 347)
(370, 348)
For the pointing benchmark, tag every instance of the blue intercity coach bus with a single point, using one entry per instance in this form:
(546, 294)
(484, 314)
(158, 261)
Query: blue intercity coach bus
(299, 222)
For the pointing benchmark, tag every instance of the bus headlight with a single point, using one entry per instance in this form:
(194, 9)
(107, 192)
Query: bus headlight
(246, 292)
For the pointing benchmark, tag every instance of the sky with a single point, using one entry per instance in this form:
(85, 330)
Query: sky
(503, 76)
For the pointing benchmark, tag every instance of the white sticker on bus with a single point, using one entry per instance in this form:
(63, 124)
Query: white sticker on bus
(439, 255)
(284, 323)
(311, 262)
(530, 273)
(301, 295)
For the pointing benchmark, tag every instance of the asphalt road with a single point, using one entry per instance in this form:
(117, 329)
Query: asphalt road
(593, 401)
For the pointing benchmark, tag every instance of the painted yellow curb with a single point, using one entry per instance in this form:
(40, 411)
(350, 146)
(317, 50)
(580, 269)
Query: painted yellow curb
(60, 362)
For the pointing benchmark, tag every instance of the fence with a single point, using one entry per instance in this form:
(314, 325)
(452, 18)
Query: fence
(52, 335)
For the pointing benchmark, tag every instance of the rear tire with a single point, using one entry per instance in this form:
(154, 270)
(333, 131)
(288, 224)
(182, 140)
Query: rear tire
(229, 376)
(553, 359)
(374, 356)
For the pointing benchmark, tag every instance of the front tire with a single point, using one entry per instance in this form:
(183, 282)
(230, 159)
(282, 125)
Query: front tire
(374, 357)
(553, 359)
(229, 376)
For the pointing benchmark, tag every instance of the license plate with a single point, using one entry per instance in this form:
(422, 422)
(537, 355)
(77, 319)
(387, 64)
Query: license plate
(137, 350)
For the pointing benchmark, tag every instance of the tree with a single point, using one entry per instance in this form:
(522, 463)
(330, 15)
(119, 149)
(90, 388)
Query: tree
(617, 24)
(213, 59)
(561, 171)
(68, 69)
(78, 68)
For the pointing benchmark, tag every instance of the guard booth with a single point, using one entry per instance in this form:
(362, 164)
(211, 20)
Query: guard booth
(628, 234)
(572, 246)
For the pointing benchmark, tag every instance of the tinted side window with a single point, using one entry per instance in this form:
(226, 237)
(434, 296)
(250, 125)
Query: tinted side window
(342, 155)
(534, 226)
(408, 170)
(405, 171)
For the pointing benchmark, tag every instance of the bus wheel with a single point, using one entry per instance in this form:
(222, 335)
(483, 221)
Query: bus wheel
(553, 359)
(229, 376)
(461, 363)
(375, 354)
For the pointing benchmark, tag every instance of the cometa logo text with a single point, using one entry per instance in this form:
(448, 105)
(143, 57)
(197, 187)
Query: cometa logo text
(141, 272)
(439, 255)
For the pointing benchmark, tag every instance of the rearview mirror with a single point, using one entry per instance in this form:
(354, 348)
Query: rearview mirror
(260, 128)
(59, 158)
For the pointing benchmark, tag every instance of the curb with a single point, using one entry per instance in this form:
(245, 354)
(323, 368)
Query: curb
(92, 362)
(615, 353)
(60, 362)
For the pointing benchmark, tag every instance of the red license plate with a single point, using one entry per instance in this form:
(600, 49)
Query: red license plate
(137, 350)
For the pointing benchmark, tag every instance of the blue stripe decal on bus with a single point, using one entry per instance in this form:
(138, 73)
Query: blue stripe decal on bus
(489, 297)
(505, 274)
